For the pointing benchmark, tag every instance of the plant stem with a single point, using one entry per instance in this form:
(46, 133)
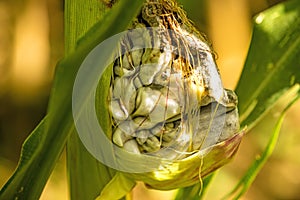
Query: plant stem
(80, 16)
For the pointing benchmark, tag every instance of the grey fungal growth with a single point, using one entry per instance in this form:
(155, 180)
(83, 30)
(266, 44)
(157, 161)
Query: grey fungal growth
(169, 100)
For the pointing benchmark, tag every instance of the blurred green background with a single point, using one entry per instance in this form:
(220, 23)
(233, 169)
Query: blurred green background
(31, 42)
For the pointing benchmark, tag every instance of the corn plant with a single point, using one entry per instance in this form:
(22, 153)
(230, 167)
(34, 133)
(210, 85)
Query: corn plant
(138, 97)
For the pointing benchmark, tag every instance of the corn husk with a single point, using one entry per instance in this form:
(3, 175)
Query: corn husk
(147, 121)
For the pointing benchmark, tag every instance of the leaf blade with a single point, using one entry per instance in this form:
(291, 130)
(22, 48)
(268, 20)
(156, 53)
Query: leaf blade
(270, 73)
(248, 178)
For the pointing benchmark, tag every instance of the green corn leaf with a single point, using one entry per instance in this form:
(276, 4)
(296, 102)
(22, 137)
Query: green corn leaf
(42, 148)
(272, 65)
(248, 178)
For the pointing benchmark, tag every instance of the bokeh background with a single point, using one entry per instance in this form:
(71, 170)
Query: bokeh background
(31, 42)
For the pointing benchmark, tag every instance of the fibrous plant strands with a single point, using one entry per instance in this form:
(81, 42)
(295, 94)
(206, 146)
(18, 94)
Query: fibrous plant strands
(167, 99)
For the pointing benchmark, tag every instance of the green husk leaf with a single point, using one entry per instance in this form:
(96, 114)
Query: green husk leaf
(119, 181)
(190, 170)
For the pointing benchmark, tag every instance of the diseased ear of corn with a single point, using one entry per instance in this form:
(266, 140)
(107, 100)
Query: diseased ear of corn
(167, 103)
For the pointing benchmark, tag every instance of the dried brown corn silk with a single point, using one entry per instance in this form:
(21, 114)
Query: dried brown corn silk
(168, 100)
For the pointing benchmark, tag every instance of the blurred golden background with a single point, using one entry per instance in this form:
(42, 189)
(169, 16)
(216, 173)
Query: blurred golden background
(31, 42)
